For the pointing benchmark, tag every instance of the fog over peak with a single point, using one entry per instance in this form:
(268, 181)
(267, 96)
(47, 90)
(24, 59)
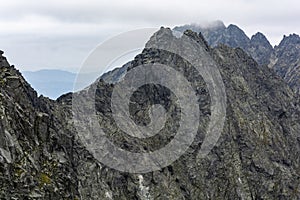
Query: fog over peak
(209, 24)
(66, 31)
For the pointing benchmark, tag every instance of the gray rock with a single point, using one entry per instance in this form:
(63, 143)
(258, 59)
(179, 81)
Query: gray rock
(256, 156)
(284, 58)
(286, 61)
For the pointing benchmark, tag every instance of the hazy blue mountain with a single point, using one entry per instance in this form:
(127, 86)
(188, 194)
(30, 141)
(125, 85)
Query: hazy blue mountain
(50, 83)
(53, 83)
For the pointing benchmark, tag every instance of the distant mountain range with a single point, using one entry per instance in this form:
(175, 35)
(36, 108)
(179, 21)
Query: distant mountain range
(53, 83)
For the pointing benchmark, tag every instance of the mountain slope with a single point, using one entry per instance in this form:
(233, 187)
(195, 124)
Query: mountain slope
(260, 48)
(256, 156)
(217, 33)
(285, 60)
(36, 147)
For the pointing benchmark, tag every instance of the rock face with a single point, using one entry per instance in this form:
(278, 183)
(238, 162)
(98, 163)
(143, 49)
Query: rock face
(217, 33)
(260, 48)
(36, 146)
(256, 156)
(284, 58)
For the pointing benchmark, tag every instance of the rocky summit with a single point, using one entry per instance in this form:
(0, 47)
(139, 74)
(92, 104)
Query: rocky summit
(284, 58)
(256, 156)
(217, 33)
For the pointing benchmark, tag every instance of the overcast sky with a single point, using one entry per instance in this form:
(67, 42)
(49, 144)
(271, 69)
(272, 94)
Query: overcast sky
(60, 34)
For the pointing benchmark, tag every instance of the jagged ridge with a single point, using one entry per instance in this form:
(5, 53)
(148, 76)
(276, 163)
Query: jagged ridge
(283, 58)
(255, 158)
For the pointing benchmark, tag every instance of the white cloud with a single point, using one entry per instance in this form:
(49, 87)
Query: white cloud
(90, 21)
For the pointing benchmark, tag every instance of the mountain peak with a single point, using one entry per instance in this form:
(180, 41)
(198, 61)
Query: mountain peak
(287, 63)
(219, 23)
(234, 29)
(166, 34)
(3, 60)
(293, 35)
(259, 36)
(232, 26)
(1, 56)
(292, 39)
(260, 39)
(163, 34)
(214, 25)
(211, 26)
